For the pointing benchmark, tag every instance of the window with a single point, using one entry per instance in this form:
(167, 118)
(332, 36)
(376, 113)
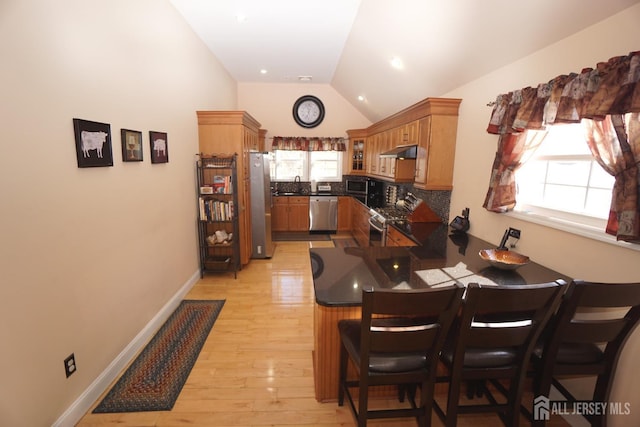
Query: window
(308, 165)
(562, 180)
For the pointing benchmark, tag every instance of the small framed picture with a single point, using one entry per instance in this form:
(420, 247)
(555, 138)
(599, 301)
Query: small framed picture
(159, 147)
(93, 143)
(131, 145)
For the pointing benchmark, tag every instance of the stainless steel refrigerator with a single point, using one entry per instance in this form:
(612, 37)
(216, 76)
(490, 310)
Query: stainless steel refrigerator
(260, 205)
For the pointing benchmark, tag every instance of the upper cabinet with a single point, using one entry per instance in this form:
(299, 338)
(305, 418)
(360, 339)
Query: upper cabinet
(357, 151)
(431, 125)
(437, 145)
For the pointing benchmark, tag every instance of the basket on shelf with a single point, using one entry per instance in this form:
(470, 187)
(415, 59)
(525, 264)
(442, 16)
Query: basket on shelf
(217, 263)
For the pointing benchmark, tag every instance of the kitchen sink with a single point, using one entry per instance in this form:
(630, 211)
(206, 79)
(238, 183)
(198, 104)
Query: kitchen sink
(278, 193)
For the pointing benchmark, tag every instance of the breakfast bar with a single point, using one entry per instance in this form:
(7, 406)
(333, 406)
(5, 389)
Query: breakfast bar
(439, 259)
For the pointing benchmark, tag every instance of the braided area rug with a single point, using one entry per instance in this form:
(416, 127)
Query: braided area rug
(154, 380)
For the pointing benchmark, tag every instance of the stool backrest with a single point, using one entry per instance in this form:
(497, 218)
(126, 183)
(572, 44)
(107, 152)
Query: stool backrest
(407, 321)
(506, 316)
(574, 324)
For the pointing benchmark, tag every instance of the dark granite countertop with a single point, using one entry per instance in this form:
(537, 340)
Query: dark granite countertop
(309, 193)
(340, 273)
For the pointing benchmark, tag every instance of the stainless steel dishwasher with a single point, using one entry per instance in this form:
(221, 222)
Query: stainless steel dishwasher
(323, 213)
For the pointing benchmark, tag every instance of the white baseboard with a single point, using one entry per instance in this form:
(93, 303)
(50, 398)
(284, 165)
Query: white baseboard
(81, 405)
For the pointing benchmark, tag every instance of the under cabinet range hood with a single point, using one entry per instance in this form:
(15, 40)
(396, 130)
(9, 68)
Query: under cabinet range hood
(402, 152)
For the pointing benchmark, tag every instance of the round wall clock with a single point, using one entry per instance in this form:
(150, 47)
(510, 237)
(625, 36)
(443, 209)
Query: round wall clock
(308, 111)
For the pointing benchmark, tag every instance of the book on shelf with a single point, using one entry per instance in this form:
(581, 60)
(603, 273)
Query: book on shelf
(216, 210)
(222, 184)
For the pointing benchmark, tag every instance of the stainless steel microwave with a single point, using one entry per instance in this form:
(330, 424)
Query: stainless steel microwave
(356, 186)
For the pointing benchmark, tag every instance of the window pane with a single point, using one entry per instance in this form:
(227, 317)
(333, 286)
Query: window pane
(599, 177)
(568, 172)
(565, 198)
(598, 203)
(564, 177)
(326, 166)
(530, 193)
(564, 139)
(289, 164)
(532, 171)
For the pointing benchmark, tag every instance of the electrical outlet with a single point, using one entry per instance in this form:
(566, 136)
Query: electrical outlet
(70, 365)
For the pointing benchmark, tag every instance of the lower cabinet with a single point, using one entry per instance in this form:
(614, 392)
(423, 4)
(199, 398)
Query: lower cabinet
(396, 238)
(344, 213)
(360, 225)
(290, 213)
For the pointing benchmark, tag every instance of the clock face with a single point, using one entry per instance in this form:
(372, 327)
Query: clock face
(308, 111)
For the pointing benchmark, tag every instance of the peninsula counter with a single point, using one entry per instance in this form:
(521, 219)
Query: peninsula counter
(340, 273)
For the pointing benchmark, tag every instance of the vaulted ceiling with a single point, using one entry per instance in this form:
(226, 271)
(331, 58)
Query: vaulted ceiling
(350, 44)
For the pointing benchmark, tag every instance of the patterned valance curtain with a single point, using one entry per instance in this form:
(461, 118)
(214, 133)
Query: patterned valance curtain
(298, 143)
(611, 92)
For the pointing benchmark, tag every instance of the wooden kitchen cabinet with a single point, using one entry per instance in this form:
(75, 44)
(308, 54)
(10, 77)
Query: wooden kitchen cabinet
(290, 213)
(280, 213)
(409, 132)
(360, 223)
(396, 238)
(344, 213)
(357, 151)
(431, 124)
(437, 146)
(396, 170)
(224, 133)
(373, 151)
(299, 213)
(385, 163)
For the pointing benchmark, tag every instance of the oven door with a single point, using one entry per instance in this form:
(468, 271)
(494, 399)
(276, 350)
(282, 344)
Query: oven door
(377, 233)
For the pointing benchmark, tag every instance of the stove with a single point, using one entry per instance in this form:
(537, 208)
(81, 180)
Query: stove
(379, 221)
(390, 214)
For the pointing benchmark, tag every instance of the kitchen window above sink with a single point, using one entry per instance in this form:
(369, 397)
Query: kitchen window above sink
(325, 166)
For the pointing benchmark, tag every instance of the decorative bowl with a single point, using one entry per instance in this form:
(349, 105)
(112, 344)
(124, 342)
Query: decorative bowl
(502, 259)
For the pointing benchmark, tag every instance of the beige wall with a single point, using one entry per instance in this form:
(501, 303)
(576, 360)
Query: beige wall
(575, 256)
(89, 256)
(272, 104)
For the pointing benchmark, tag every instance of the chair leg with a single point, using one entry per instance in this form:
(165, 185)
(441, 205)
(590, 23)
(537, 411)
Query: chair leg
(411, 392)
(601, 394)
(516, 390)
(426, 402)
(452, 402)
(470, 389)
(402, 391)
(541, 381)
(363, 402)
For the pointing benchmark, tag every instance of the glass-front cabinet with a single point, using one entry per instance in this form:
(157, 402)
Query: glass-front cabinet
(357, 153)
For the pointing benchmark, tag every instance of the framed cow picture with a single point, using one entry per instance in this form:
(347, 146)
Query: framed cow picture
(131, 145)
(159, 147)
(93, 143)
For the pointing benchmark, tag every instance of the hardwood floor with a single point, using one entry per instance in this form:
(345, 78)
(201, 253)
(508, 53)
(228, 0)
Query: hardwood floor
(255, 368)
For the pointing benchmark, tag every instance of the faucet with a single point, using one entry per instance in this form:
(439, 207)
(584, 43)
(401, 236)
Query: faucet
(296, 180)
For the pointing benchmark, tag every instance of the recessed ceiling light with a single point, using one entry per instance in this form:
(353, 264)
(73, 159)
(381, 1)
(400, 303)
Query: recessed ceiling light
(241, 17)
(361, 98)
(263, 71)
(305, 78)
(397, 63)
